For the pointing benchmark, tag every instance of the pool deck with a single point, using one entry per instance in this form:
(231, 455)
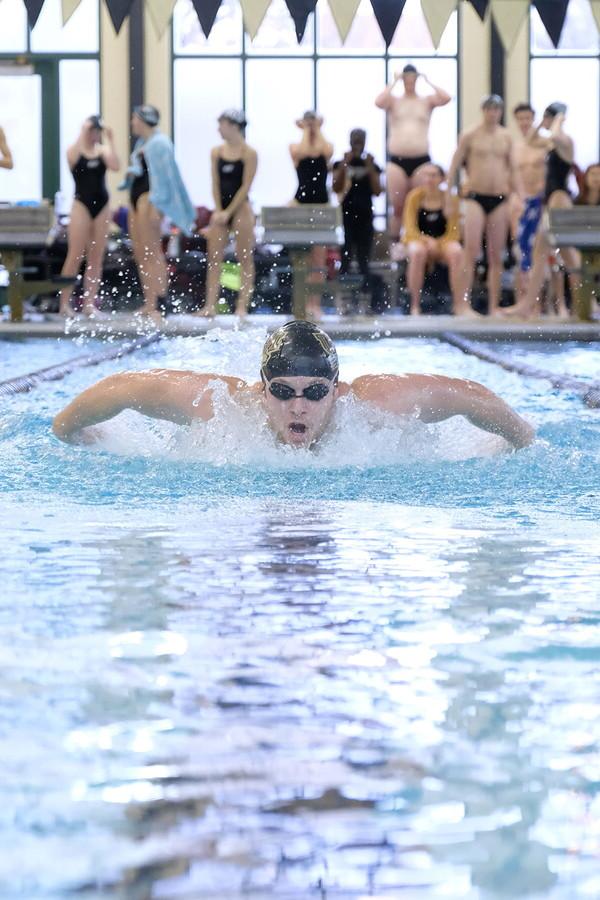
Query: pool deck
(339, 327)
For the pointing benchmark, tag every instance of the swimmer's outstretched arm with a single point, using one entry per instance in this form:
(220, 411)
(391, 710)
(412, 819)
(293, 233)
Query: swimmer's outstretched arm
(175, 396)
(434, 398)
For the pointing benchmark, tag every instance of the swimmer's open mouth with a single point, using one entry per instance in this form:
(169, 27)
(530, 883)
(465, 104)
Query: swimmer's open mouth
(298, 428)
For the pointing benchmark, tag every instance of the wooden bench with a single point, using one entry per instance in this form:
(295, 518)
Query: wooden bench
(579, 227)
(25, 228)
(300, 228)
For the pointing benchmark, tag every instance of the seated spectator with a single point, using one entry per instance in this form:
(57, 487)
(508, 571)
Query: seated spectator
(432, 238)
(589, 193)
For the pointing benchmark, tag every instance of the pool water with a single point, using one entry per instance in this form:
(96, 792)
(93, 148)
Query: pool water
(232, 670)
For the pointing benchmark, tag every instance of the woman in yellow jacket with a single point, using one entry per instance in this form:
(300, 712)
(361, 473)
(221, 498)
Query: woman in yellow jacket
(431, 237)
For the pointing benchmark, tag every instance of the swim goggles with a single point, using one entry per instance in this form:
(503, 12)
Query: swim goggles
(314, 392)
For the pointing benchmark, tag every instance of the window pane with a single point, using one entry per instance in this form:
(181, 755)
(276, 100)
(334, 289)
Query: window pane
(225, 37)
(412, 34)
(278, 92)
(364, 35)
(13, 26)
(561, 80)
(579, 34)
(24, 136)
(442, 131)
(277, 33)
(79, 35)
(354, 107)
(79, 98)
(195, 116)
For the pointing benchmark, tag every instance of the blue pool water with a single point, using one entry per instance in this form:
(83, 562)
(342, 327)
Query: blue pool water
(229, 670)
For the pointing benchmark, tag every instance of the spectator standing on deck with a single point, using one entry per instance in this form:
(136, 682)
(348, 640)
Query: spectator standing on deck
(356, 180)
(156, 189)
(409, 116)
(487, 153)
(559, 165)
(311, 157)
(526, 215)
(233, 167)
(89, 158)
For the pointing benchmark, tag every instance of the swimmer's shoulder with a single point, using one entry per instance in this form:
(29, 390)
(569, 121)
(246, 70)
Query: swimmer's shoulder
(401, 394)
(189, 391)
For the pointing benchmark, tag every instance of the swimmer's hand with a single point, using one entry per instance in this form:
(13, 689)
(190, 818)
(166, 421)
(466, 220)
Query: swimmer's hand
(433, 398)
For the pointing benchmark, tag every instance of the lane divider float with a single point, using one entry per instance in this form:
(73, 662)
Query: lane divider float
(24, 383)
(588, 391)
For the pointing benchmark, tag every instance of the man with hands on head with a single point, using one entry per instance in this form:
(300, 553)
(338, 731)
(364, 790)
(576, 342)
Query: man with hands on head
(409, 116)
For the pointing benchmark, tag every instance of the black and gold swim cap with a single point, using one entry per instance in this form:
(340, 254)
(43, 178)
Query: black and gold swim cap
(299, 348)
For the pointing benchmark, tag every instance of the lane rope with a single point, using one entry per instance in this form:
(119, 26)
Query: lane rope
(588, 391)
(24, 383)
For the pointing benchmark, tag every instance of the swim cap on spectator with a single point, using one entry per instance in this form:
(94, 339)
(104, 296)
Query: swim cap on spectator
(492, 100)
(299, 348)
(237, 116)
(147, 113)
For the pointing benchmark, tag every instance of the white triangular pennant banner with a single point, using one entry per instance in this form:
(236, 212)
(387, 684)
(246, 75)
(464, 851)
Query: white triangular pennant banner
(509, 17)
(161, 12)
(437, 13)
(343, 12)
(254, 12)
(595, 4)
(68, 8)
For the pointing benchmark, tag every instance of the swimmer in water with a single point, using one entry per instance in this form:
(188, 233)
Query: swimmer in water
(298, 389)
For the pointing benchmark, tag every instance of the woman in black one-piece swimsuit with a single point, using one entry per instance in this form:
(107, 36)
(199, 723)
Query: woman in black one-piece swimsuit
(311, 158)
(233, 166)
(89, 158)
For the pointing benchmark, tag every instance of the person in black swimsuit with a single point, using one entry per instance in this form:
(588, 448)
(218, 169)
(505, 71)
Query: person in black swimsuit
(487, 153)
(356, 180)
(559, 164)
(233, 166)
(311, 158)
(408, 120)
(140, 184)
(432, 236)
(89, 158)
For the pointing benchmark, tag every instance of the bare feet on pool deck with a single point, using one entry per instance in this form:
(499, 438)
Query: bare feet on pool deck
(207, 312)
(518, 311)
(468, 314)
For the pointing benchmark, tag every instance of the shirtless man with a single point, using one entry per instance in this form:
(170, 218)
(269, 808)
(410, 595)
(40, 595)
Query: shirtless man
(298, 390)
(6, 160)
(486, 151)
(560, 156)
(530, 156)
(408, 141)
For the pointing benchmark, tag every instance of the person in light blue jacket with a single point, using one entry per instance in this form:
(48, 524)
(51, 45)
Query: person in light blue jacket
(156, 189)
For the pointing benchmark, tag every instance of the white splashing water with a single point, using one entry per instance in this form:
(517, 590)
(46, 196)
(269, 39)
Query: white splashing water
(358, 435)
